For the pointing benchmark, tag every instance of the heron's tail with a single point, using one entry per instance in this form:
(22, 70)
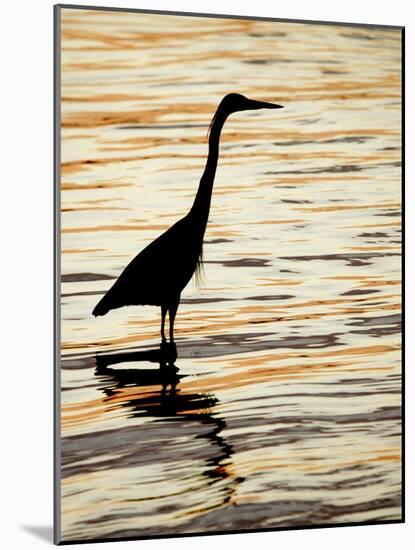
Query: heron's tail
(102, 307)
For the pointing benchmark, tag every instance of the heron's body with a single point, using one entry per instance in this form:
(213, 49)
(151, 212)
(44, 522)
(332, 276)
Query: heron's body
(159, 273)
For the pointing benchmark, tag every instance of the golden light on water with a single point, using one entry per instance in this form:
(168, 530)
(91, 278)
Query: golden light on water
(285, 410)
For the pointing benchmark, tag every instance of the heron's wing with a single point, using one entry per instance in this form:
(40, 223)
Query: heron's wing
(155, 256)
(144, 278)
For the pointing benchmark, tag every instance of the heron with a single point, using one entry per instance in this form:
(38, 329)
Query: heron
(160, 272)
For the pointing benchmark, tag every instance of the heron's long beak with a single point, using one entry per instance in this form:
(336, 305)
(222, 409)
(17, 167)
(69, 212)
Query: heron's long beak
(253, 104)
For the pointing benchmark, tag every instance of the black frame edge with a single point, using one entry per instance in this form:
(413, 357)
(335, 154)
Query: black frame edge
(229, 16)
(56, 275)
(403, 277)
(239, 532)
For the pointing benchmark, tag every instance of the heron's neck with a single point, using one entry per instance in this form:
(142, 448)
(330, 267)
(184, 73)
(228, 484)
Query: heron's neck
(201, 204)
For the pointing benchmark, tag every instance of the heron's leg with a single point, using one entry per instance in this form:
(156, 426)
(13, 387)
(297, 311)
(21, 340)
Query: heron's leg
(172, 315)
(163, 318)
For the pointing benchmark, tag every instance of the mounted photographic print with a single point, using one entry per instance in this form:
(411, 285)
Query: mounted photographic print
(228, 274)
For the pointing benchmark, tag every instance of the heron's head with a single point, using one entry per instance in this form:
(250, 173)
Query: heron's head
(232, 103)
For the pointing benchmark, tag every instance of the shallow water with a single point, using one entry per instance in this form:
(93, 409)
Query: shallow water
(285, 408)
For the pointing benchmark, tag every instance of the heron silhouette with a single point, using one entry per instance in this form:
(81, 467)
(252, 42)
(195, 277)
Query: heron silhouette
(159, 273)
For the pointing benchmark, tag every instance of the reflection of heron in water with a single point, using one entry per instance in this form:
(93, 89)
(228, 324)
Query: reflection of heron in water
(169, 404)
(159, 273)
(117, 378)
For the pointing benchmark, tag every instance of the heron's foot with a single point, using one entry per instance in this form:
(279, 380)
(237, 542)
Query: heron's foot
(168, 367)
(169, 350)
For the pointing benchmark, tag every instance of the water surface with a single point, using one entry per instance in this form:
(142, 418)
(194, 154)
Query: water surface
(284, 406)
